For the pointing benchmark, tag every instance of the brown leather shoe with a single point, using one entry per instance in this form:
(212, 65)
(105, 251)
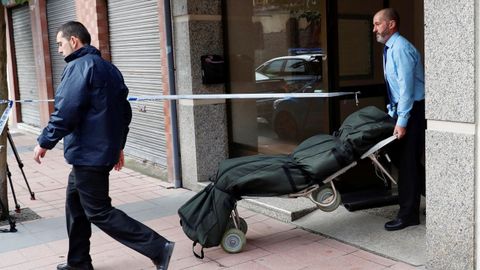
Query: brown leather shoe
(65, 266)
(164, 259)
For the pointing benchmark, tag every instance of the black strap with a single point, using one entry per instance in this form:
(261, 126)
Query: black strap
(337, 156)
(342, 152)
(289, 177)
(202, 255)
(307, 176)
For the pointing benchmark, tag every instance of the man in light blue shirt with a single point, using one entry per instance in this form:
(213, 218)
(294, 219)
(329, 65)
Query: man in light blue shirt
(404, 79)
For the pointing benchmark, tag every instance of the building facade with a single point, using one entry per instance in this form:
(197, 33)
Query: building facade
(257, 39)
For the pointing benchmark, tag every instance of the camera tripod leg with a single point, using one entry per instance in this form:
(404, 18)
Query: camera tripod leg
(20, 164)
(9, 175)
(11, 221)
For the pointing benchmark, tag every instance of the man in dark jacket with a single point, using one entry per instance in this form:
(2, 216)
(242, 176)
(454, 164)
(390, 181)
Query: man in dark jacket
(92, 114)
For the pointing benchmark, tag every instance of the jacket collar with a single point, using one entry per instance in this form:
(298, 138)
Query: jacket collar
(87, 49)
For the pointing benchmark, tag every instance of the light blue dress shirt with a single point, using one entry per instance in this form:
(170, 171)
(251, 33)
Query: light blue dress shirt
(405, 76)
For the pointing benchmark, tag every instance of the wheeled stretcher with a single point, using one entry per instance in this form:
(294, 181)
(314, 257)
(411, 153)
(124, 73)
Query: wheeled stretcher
(325, 196)
(210, 217)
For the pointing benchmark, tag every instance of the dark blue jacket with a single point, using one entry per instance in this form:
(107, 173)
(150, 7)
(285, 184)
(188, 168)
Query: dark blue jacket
(91, 111)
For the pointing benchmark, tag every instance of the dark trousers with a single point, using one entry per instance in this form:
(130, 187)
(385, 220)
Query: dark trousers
(409, 152)
(88, 202)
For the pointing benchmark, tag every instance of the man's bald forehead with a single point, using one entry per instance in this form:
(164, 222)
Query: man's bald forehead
(389, 14)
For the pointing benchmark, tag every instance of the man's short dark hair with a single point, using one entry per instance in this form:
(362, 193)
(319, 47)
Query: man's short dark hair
(75, 29)
(392, 15)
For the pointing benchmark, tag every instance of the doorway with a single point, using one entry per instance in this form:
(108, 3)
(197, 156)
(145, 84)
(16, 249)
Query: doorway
(262, 40)
(276, 47)
(323, 46)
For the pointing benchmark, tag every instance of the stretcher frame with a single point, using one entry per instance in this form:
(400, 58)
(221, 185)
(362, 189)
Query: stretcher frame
(326, 197)
(326, 204)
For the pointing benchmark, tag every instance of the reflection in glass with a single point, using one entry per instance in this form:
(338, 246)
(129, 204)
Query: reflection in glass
(276, 47)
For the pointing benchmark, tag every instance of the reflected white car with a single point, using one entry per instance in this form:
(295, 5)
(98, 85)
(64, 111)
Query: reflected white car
(293, 68)
(260, 77)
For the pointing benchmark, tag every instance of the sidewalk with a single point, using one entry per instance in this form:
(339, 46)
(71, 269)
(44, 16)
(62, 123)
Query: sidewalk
(42, 243)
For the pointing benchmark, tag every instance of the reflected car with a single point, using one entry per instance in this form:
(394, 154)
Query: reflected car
(291, 118)
(295, 119)
(265, 105)
(292, 69)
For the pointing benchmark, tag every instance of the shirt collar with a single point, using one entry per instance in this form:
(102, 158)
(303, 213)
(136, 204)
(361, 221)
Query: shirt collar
(392, 39)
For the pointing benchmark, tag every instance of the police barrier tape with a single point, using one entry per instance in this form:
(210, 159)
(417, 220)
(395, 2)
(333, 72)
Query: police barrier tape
(244, 96)
(6, 113)
(214, 96)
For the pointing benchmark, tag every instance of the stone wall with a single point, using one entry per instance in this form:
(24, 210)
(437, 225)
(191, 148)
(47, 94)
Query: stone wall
(202, 123)
(451, 136)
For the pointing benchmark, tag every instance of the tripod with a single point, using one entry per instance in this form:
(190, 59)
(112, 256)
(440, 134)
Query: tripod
(9, 174)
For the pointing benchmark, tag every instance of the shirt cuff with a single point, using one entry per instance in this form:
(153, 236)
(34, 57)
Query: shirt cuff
(390, 111)
(402, 121)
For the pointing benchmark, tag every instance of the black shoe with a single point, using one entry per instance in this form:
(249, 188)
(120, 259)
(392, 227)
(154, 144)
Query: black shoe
(399, 223)
(65, 266)
(162, 262)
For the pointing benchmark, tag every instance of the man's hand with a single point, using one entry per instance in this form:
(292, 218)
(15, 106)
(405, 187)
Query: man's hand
(120, 163)
(399, 131)
(38, 153)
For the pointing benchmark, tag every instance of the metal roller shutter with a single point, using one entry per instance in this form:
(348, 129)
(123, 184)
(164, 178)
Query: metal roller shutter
(135, 49)
(58, 13)
(26, 74)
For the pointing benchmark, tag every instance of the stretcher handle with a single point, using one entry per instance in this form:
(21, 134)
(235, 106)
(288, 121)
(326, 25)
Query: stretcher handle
(379, 146)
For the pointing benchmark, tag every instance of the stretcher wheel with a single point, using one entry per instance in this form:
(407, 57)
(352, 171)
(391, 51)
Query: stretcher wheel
(243, 225)
(326, 198)
(233, 241)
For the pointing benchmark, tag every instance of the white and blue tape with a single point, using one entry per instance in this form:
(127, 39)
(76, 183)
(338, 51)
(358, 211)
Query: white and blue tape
(6, 113)
(243, 96)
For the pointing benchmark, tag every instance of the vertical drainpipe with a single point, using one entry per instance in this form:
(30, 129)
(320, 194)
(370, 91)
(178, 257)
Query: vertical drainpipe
(177, 174)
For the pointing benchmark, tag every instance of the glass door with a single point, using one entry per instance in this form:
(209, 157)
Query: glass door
(276, 46)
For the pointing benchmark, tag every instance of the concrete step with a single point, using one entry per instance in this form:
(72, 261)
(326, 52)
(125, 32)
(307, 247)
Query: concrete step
(284, 209)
